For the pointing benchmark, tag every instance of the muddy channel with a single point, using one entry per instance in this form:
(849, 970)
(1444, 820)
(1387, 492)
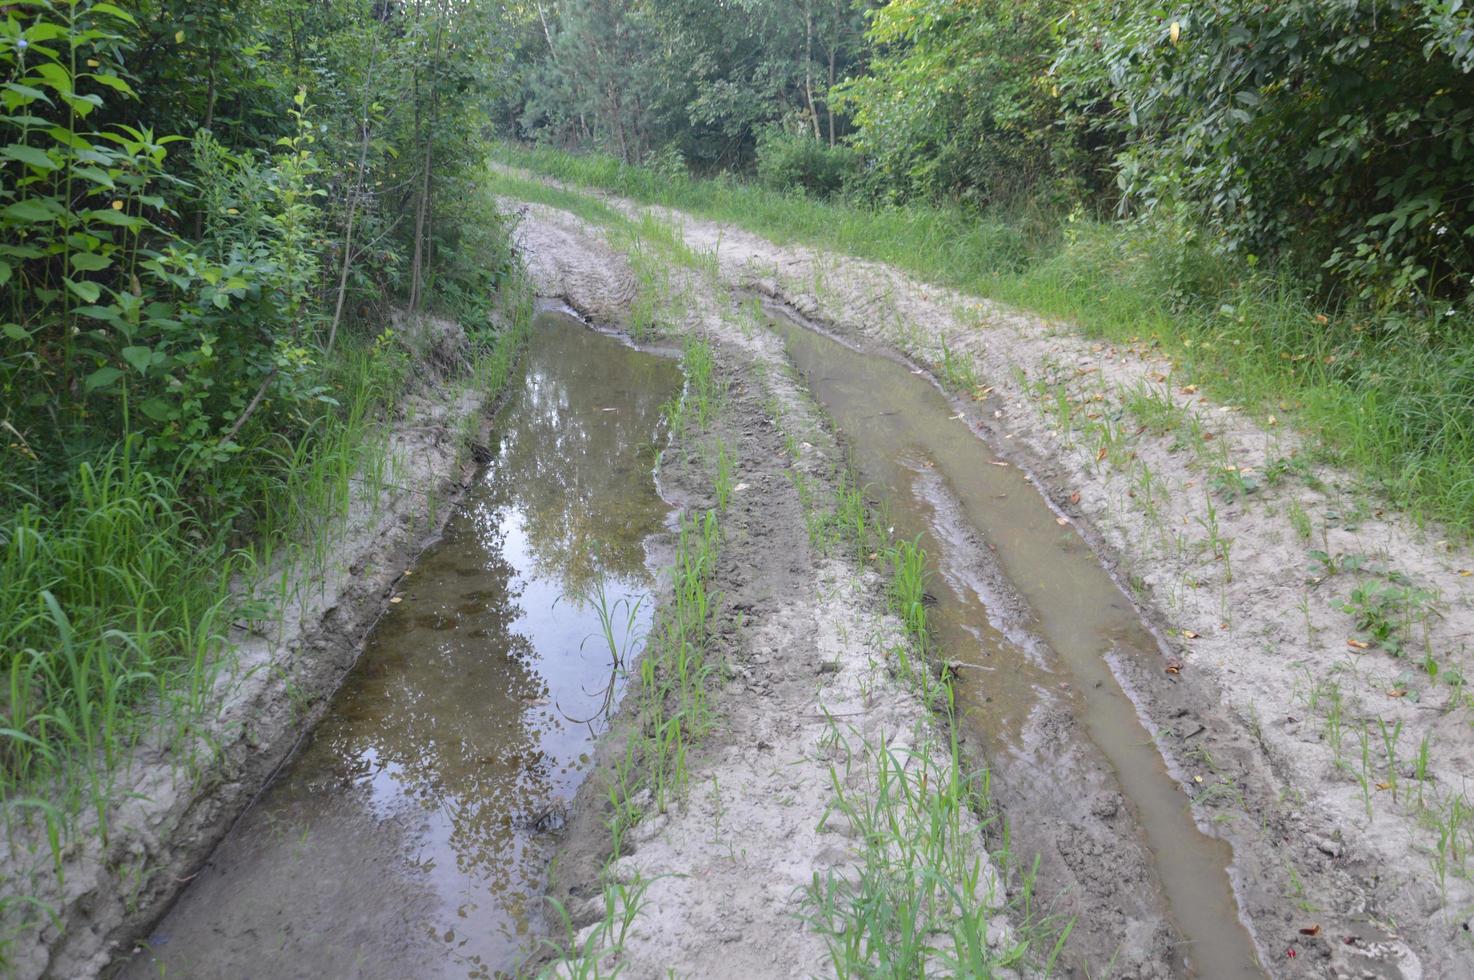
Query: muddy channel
(411, 834)
(1032, 624)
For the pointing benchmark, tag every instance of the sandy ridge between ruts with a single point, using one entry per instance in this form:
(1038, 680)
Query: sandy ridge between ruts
(1261, 644)
(731, 862)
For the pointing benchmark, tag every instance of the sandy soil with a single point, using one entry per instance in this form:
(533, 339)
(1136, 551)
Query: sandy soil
(803, 641)
(1267, 663)
(180, 799)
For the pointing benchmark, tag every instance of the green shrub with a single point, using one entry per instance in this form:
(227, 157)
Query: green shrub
(794, 161)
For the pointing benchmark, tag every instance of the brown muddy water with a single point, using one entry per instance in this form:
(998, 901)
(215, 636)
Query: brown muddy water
(1034, 623)
(411, 835)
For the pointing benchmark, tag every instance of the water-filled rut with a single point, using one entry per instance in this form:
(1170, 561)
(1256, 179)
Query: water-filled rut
(410, 834)
(1033, 624)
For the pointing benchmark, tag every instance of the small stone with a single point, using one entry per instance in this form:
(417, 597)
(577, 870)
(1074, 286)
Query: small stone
(1329, 846)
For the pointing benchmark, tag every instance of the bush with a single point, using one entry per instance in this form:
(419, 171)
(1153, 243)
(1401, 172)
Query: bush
(1334, 133)
(792, 161)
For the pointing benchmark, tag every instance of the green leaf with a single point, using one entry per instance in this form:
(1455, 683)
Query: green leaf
(4, 273)
(29, 155)
(15, 332)
(140, 357)
(99, 177)
(82, 104)
(88, 292)
(102, 376)
(115, 83)
(90, 262)
(33, 210)
(27, 92)
(118, 219)
(44, 31)
(54, 76)
(116, 11)
(159, 410)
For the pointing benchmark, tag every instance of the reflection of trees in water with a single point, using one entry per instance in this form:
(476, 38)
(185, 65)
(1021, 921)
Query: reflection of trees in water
(581, 475)
(440, 704)
(447, 701)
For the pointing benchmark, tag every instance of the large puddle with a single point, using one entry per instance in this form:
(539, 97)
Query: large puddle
(1035, 623)
(409, 837)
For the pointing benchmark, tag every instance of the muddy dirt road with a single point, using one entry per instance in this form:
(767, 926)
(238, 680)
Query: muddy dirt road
(1287, 797)
(967, 647)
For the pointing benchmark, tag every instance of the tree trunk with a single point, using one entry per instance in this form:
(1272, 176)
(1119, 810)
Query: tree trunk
(809, 66)
(834, 43)
(363, 148)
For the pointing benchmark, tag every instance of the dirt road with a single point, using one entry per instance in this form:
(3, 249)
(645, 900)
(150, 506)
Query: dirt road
(1305, 695)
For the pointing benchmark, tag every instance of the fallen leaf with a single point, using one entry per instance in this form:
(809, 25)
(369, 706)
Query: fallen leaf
(1465, 572)
(1208, 437)
(1384, 786)
(1311, 930)
(1189, 389)
(1191, 635)
(1197, 779)
(1397, 693)
(1075, 497)
(1061, 521)
(1356, 644)
(1100, 455)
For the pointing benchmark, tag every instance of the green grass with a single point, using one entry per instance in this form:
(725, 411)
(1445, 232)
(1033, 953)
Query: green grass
(924, 895)
(1393, 400)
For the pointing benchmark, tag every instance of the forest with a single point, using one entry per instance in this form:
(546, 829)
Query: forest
(224, 227)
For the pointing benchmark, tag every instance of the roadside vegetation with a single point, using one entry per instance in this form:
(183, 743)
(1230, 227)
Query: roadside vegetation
(1278, 195)
(207, 217)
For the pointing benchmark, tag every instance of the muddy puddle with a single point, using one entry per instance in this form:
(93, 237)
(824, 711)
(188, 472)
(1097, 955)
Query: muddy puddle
(411, 835)
(1033, 624)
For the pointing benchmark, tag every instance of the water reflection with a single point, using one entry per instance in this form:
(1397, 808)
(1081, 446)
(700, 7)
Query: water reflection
(406, 838)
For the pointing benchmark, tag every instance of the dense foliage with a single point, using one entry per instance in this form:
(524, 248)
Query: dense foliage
(687, 81)
(1338, 130)
(1332, 135)
(197, 197)
(206, 212)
